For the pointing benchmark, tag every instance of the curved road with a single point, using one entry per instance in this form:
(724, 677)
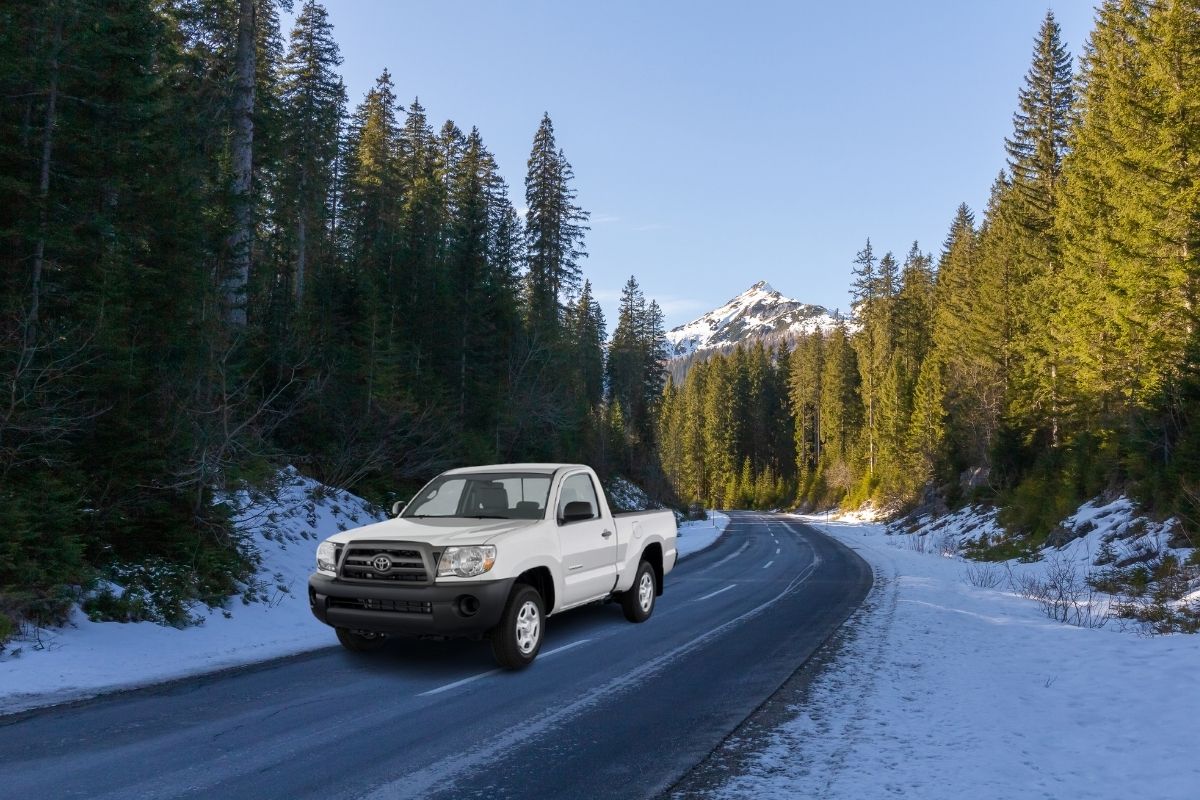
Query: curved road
(609, 709)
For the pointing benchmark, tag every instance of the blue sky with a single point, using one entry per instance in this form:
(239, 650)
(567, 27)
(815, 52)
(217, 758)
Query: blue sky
(717, 144)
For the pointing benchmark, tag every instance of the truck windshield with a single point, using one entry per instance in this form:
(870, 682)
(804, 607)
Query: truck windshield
(484, 495)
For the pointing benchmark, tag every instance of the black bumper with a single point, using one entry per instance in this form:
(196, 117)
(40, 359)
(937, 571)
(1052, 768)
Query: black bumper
(409, 610)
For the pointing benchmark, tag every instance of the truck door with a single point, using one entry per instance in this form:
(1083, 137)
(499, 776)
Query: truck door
(588, 546)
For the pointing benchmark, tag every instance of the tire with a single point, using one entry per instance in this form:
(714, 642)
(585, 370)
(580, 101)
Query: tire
(638, 602)
(517, 638)
(360, 641)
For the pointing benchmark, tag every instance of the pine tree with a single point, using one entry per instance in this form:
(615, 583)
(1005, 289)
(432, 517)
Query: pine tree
(422, 215)
(585, 323)
(314, 98)
(1040, 133)
(874, 285)
(806, 370)
(626, 356)
(927, 425)
(554, 230)
(367, 294)
(719, 434)
(1041, 125)
(240, 243)
(654, 364)
(841, 413)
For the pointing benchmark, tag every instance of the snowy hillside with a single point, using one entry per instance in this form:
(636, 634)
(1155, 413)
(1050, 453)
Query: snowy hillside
(944, 686)
(758, 312)
(283, 525)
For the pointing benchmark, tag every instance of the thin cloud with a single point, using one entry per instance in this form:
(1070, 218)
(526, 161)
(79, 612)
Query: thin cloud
(680, 305)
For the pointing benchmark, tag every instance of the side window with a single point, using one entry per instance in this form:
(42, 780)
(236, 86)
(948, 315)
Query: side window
(578, 488)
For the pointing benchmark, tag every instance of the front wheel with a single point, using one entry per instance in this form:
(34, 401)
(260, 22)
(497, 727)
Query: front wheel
(360, 641)
(638, 602)
(518, 637)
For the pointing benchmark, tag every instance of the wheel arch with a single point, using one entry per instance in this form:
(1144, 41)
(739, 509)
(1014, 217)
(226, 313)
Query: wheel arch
(541, 579)
(653, 553)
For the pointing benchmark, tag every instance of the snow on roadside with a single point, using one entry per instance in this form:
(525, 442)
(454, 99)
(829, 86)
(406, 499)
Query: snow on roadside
(85, 658)
(1092, 545)
(945, 690)
(696, 535)
(1117, 524)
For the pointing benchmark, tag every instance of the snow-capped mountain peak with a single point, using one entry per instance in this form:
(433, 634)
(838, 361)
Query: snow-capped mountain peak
(757, 313)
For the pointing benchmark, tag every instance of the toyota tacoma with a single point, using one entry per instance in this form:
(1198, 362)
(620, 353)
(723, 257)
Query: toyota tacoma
(491, 552)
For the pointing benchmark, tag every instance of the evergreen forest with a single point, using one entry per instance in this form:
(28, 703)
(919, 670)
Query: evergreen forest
(214, 263)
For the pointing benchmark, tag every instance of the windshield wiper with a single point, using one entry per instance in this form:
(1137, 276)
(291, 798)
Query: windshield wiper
(485, 516)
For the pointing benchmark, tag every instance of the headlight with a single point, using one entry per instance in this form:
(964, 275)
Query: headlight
(327, 558)
(467, 562)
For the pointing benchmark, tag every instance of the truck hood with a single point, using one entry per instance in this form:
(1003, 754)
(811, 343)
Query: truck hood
(434, 531)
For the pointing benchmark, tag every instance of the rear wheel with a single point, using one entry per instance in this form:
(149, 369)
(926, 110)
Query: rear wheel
(360, 641)
(517, 638)
(638, 602)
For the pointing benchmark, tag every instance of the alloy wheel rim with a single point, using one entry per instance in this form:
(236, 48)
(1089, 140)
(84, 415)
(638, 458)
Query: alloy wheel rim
(529, 627)
(646, 591)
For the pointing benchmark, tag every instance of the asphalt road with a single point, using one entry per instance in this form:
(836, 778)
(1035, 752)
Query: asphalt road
(609, 709)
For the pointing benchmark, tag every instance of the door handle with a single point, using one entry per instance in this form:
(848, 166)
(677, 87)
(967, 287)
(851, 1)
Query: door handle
(606, 534)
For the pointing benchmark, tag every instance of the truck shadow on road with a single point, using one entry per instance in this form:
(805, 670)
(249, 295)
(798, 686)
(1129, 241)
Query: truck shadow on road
(431, 658)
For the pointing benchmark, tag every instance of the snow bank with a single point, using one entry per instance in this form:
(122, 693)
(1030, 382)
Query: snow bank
(1094, 547)
(696, 535)
(86, 658)
(1117, 523)
(942, 689)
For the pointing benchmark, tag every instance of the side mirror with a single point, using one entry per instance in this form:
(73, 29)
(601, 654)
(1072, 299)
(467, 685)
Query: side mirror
(398, 506)
(577, 511)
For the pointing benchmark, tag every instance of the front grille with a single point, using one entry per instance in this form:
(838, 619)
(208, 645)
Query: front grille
(360, 563)
(398, 606)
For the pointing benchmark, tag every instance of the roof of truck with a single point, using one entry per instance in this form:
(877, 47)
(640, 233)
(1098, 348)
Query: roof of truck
(548, 468)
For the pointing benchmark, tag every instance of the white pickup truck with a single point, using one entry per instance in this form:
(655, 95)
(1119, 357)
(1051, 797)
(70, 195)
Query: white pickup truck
(491, 551)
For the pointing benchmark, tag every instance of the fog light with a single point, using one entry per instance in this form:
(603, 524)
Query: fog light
(468, 606)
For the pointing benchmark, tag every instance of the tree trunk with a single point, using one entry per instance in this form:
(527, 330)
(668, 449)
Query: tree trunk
(301, 254)
(240, 241)
(39, 249)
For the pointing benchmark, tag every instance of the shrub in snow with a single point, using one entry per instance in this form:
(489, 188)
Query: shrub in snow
(1105, 560)
(1064, 596)
(984, 574)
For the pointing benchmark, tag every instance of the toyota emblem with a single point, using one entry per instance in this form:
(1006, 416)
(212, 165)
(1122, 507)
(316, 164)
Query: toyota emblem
(381, 563)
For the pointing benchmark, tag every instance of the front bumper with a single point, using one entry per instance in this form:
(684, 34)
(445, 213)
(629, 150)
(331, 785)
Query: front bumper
(437, 610)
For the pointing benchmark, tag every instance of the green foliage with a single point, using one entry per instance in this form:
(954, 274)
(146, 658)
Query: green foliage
(719, 439)
(399, 316)
(554, 230)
